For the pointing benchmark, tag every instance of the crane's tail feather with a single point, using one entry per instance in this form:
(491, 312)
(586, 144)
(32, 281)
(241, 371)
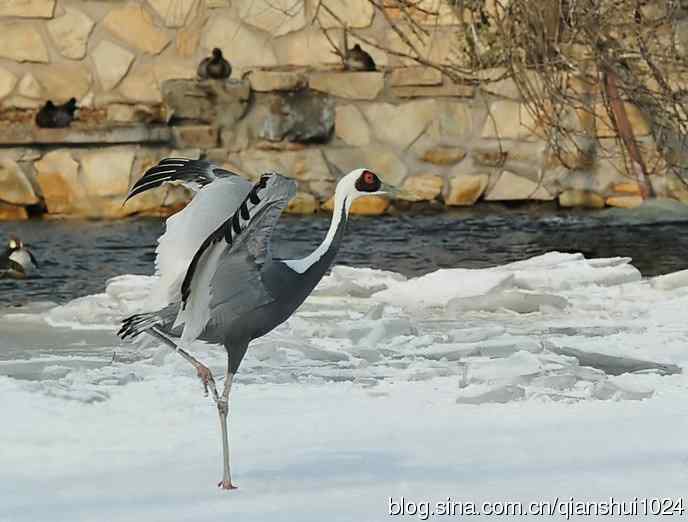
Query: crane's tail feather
(135, 325)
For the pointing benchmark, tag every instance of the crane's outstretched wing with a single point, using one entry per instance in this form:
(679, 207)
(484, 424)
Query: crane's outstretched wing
(219, 194)
(223, 280)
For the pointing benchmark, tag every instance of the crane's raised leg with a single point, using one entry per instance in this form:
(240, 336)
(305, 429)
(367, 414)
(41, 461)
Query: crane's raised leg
(202, 370)
(223, 410)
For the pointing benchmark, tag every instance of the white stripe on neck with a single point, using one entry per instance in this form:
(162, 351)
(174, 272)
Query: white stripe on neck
(341, 202)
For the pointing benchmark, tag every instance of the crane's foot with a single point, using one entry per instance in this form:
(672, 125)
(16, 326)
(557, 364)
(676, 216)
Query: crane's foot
(226, 484)
(207, 379)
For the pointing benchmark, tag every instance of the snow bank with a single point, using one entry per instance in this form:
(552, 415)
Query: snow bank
(492, 383)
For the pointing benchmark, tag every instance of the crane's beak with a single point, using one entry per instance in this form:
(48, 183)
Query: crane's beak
(398, 192)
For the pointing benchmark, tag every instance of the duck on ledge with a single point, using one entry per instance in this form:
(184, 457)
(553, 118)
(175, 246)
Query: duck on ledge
(215, 67)
(53, 116)
(359, 60)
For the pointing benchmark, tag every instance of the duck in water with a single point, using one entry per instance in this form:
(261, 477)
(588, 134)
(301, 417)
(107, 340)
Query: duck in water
(359, 60)
(215, 67)
(53, 116)
(17, 260)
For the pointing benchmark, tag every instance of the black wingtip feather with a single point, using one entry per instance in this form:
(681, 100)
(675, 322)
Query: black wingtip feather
(176, 169)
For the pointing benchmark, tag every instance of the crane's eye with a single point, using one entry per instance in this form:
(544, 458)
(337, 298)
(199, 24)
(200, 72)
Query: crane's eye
(367, 182)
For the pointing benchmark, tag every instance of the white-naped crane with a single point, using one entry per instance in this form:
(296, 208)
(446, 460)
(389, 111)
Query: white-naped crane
(218, 280)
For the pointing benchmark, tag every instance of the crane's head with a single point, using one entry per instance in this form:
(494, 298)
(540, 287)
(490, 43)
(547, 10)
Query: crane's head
(364, 182)
(361, 182)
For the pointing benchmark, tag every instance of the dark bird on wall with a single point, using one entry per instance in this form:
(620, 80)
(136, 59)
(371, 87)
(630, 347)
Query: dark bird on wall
(359, 60)
(219, 281)
(214, 66)
(17, 260)
(52, 116)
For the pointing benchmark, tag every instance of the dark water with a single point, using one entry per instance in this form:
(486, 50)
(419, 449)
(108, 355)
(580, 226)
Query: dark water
(78, 257)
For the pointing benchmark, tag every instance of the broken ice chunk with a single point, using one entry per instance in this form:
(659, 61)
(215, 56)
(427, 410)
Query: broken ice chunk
(356, 282)
(612, 364)
(439, 287)
(607, 390)
(515, 300)
(472, 335)
(670, 281)
(499, 394)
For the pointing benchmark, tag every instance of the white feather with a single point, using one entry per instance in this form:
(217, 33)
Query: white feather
(197, 312)
(186, 231)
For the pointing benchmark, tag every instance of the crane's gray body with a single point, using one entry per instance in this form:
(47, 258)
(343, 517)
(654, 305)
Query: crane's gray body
(286, 290)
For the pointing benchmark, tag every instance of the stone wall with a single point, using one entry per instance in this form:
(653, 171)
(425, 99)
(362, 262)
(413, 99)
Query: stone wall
(290, 107)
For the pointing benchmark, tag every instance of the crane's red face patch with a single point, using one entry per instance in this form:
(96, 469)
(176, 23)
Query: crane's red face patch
(368, 182)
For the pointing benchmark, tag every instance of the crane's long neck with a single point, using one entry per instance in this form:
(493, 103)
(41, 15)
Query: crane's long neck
(323, 256)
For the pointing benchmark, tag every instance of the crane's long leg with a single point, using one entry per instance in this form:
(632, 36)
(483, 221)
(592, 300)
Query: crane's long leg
(203, 371)
(223, 410)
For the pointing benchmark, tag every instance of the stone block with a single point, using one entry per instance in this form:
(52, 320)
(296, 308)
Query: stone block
(308, 47)
(626, 187)
(189, 36)
(57, 175)
(364, 206)
(466, 189)
(141, 85)
(605, 128)
(107, 172)
(401, 124)
(21, 42)
(383, 161)
(62, 81)
(448, 89)
(222, 102)
(275, 17)
(15, 188)
(580, 198)
(624, 201)
(443, 155)
(111, 63)
(27, 8)
(195, 136)
(12, 212)
(132, 24)
(510, 120)
(423, 187)
(350, 126)
(434, 46)
(70, 33)
(352, 85)
(303, 203)
(300, 116)
(226, 32)
(7, 82)
(510, 187)
(347, 13)
(266, 81)
(418, 75)
(173, 12)
(304, 165)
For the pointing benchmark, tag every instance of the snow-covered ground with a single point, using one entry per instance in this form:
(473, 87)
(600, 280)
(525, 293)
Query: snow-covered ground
(553, 376)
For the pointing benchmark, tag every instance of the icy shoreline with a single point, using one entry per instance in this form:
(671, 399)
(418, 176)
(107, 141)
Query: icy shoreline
(508, 382)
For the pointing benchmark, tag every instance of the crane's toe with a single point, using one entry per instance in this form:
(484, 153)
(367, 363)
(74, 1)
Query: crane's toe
(226, 484)
(207, 380)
